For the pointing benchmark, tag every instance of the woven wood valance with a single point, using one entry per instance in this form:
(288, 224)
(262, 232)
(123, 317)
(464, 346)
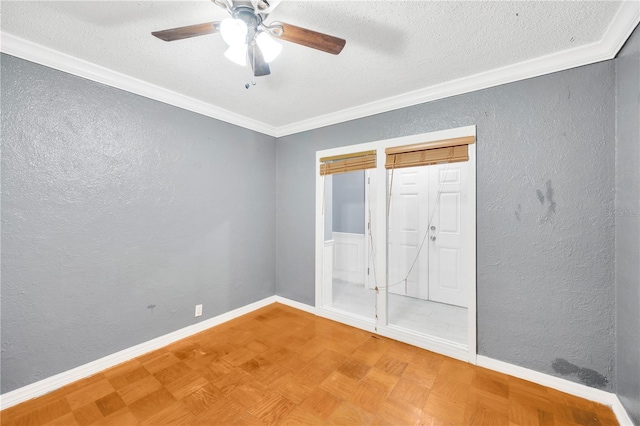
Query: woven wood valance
(426, 153)
(347, 162)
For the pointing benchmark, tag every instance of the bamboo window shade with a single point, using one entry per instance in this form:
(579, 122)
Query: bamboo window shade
(348, 162)
(423, 154)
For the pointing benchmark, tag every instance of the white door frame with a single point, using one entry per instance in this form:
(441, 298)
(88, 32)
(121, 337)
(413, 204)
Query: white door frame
(381, 326)
(369, 281)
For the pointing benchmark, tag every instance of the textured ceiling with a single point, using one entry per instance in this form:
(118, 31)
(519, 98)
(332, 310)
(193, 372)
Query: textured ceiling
(393, 47)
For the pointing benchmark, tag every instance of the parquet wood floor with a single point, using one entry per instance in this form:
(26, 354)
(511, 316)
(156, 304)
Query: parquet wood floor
(279, 365)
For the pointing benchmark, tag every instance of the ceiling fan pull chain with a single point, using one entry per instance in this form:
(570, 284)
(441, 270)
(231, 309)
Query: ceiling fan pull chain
(253, 58)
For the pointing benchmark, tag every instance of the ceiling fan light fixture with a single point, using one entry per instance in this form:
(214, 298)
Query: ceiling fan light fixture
(237, 54)
(234, 31)
(268, 46)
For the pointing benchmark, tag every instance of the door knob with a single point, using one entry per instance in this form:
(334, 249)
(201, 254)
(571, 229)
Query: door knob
(433, 228)
(433, 238)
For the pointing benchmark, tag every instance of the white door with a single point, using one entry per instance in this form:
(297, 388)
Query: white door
(435, 272)
(448, 203)
(407, 227)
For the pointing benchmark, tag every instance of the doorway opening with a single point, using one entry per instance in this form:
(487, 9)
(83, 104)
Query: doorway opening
(426, 250)
(395, 239)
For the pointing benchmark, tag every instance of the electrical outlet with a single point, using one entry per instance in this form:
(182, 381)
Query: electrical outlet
(198, 310)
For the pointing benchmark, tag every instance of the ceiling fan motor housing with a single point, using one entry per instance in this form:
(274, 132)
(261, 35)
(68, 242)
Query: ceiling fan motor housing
(249, 17)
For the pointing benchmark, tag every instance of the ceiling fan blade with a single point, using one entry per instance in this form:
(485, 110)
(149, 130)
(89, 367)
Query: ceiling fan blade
(260, 67)
(309, 38)
(188, 31)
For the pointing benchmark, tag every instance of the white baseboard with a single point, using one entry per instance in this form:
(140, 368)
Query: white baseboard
(563, 385)
(352, 320)
(430, 343)
(52, 383)
(297, 305)
(621, 413)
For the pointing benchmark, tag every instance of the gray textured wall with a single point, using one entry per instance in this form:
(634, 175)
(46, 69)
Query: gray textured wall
(545, 182)
(348, 202)
(119, 215)
(627, 215)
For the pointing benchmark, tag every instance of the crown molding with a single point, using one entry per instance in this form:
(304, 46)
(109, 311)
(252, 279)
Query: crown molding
(621, 27)
(619, 30)
(24, 49)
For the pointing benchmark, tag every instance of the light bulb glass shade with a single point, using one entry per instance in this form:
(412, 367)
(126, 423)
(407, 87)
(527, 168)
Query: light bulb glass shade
(269, 47)
(233, 31)
(237, 53)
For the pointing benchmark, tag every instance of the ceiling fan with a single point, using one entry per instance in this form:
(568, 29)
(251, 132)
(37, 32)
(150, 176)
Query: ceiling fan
(250, 38)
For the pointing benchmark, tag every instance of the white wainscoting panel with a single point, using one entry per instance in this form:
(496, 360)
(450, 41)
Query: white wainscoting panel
(348, 257)
(327, 272)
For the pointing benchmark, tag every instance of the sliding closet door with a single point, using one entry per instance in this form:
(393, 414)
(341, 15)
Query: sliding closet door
(395, 247)
(427, 259)
(345, 270)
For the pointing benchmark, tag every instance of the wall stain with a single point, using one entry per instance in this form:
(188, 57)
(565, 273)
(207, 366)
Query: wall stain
(549, 193)
(517, 212)
(586, 375)
(547, 197)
